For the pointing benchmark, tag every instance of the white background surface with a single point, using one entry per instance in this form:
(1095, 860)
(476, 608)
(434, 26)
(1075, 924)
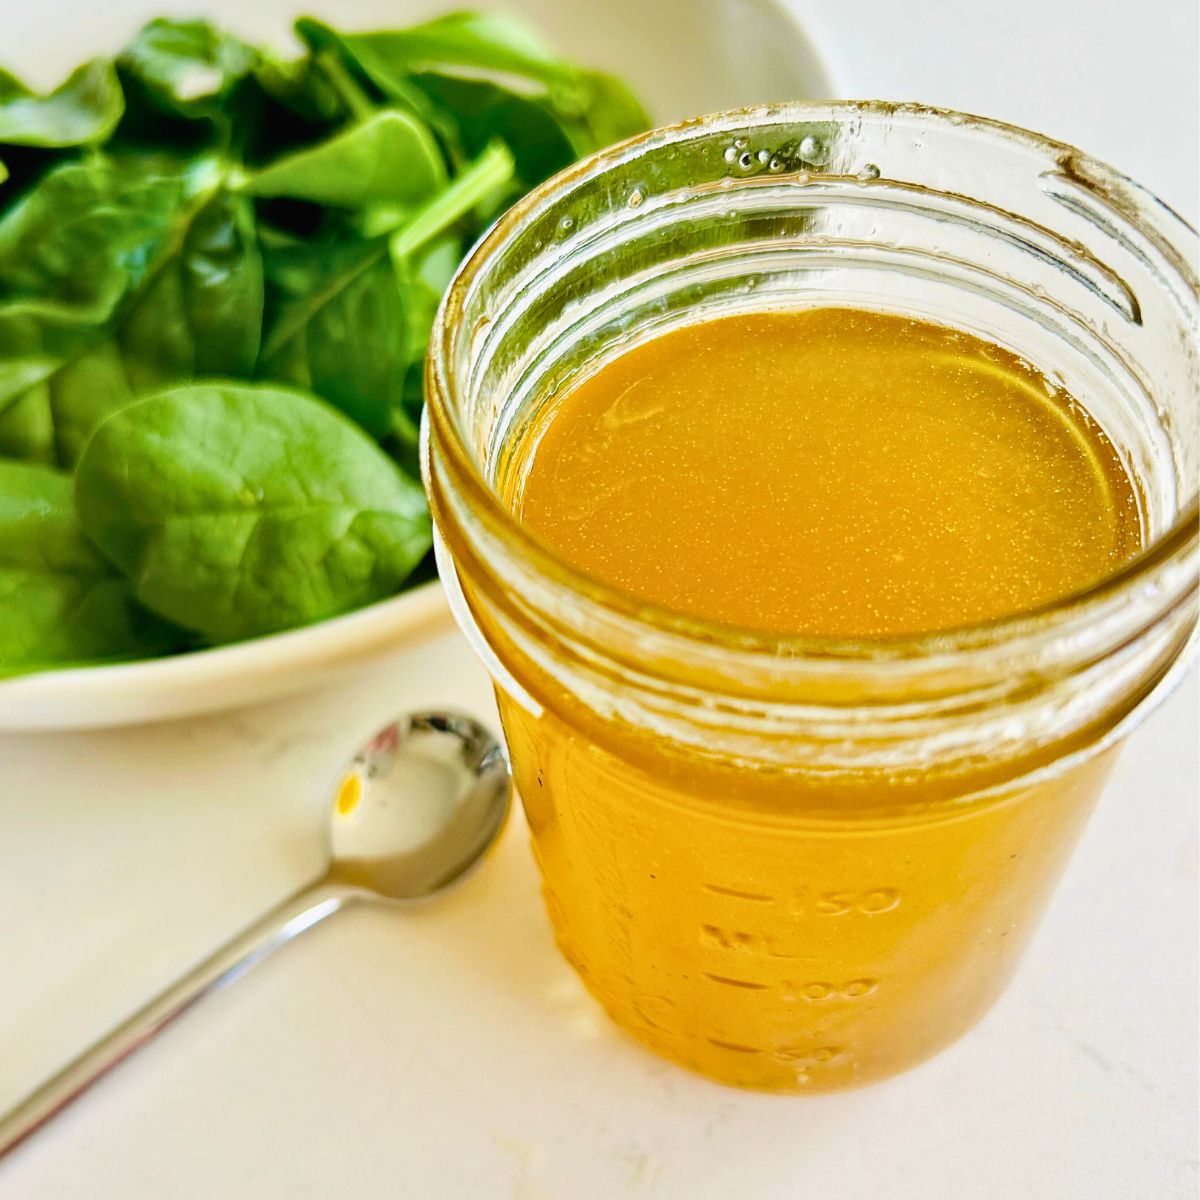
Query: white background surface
(448, 1052)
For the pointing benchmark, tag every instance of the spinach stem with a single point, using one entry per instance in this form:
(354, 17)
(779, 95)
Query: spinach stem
(348, 90)
(490, 170)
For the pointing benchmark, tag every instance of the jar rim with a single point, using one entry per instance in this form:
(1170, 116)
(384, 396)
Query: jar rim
(1176, 544)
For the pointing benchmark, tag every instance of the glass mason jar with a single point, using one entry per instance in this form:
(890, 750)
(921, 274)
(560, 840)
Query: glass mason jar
(794, 863)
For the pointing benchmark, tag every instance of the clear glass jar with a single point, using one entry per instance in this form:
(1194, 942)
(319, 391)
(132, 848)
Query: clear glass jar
(793, 863)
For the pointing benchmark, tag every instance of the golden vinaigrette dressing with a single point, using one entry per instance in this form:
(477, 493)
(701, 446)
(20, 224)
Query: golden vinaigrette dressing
(829, 472)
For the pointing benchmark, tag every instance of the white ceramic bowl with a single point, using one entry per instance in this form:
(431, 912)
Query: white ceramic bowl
(684, 57)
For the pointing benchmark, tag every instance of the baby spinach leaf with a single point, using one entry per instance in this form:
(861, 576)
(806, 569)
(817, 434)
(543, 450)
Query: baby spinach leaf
(32, 348)
(201, 314)
(84, 109)
(422, 276)
(189, 91)
(74, 250)
(290, 106)
(82, 393)
(221, 276)
(610, 113)
(27, 429)
(427, 274)
(60, 601)
(10, 85)
(237, 510)
(358, 93)
(480, 113)
(390, 158)
(337, 326)
(185, 297)
(298, 86)
(463, 41)
(487, 76)
(91, 231)
(186, 67)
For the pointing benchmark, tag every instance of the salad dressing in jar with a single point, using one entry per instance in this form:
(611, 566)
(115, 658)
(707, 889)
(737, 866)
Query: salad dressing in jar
(825, 530)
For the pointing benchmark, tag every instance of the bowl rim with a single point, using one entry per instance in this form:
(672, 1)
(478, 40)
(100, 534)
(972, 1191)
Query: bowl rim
(335, 638)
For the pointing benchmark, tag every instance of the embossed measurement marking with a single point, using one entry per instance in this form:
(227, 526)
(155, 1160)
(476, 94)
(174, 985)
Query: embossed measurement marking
(748, 984)
(811, 991)
(808, 1055)
(866, 902)
(796, 1056)
(733, 1046)
(818, 989)
(744, 940)
(738, 894)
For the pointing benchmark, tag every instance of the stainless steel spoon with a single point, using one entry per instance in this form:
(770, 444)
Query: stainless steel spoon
(418, 806)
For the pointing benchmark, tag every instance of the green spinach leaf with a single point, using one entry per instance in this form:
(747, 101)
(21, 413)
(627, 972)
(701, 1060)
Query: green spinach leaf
(337, 326)
(335, 60)
(464, 41)
(60, 601)
(179, 293)
(390, 158)
(73, 251)
(90, 233)
(423, 276)
(237, 510)
(81, 394)
(85, 109)
(201, 314)
(486, 76)
(300, 87)
(480, 113)
(609, 113)
(187, 68)
(27, 429)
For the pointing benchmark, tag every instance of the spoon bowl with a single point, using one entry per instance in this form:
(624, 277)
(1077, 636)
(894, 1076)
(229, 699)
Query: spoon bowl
(419, 805)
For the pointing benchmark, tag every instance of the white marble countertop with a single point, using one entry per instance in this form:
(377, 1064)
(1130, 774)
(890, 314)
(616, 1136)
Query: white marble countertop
(448, 1051)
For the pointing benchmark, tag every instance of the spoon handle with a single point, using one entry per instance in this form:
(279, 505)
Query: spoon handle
(292, 916)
